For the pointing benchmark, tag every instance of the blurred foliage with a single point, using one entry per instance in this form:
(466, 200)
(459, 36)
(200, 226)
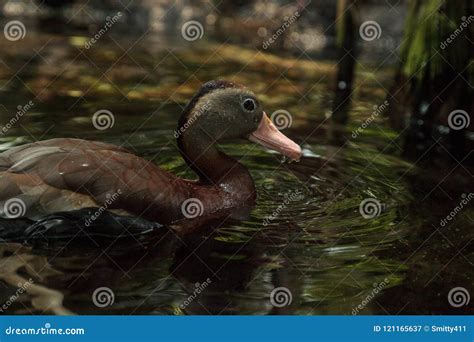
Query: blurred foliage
(429, 23)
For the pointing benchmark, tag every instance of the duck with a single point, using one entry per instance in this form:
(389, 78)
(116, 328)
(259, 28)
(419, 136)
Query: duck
(67, 174)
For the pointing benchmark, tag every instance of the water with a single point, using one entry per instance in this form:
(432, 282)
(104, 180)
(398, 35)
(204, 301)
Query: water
(306, 232)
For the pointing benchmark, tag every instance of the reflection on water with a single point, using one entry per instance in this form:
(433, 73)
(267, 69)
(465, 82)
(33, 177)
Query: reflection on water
(20, 268)
(306, 233)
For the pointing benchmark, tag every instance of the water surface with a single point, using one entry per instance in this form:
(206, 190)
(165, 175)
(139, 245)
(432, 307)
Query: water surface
(306, 232)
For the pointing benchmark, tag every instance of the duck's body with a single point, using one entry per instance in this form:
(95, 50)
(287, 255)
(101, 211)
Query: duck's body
(70, 174)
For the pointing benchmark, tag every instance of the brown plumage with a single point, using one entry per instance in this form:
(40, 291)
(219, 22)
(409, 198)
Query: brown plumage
(68, 174)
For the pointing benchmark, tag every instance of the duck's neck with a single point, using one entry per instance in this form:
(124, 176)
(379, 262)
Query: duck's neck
(213, 166)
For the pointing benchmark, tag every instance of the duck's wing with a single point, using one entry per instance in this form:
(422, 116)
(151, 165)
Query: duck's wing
(70, 174)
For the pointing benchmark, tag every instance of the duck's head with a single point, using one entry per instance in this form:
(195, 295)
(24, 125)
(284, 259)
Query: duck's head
(224, 110)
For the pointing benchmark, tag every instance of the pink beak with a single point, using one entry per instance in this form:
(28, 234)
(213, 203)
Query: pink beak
(269, 136)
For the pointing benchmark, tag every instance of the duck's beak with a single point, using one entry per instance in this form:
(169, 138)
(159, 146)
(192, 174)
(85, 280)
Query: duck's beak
(269, 136)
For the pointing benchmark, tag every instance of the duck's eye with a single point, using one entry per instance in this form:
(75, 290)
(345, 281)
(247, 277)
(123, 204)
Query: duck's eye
(249, 105)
